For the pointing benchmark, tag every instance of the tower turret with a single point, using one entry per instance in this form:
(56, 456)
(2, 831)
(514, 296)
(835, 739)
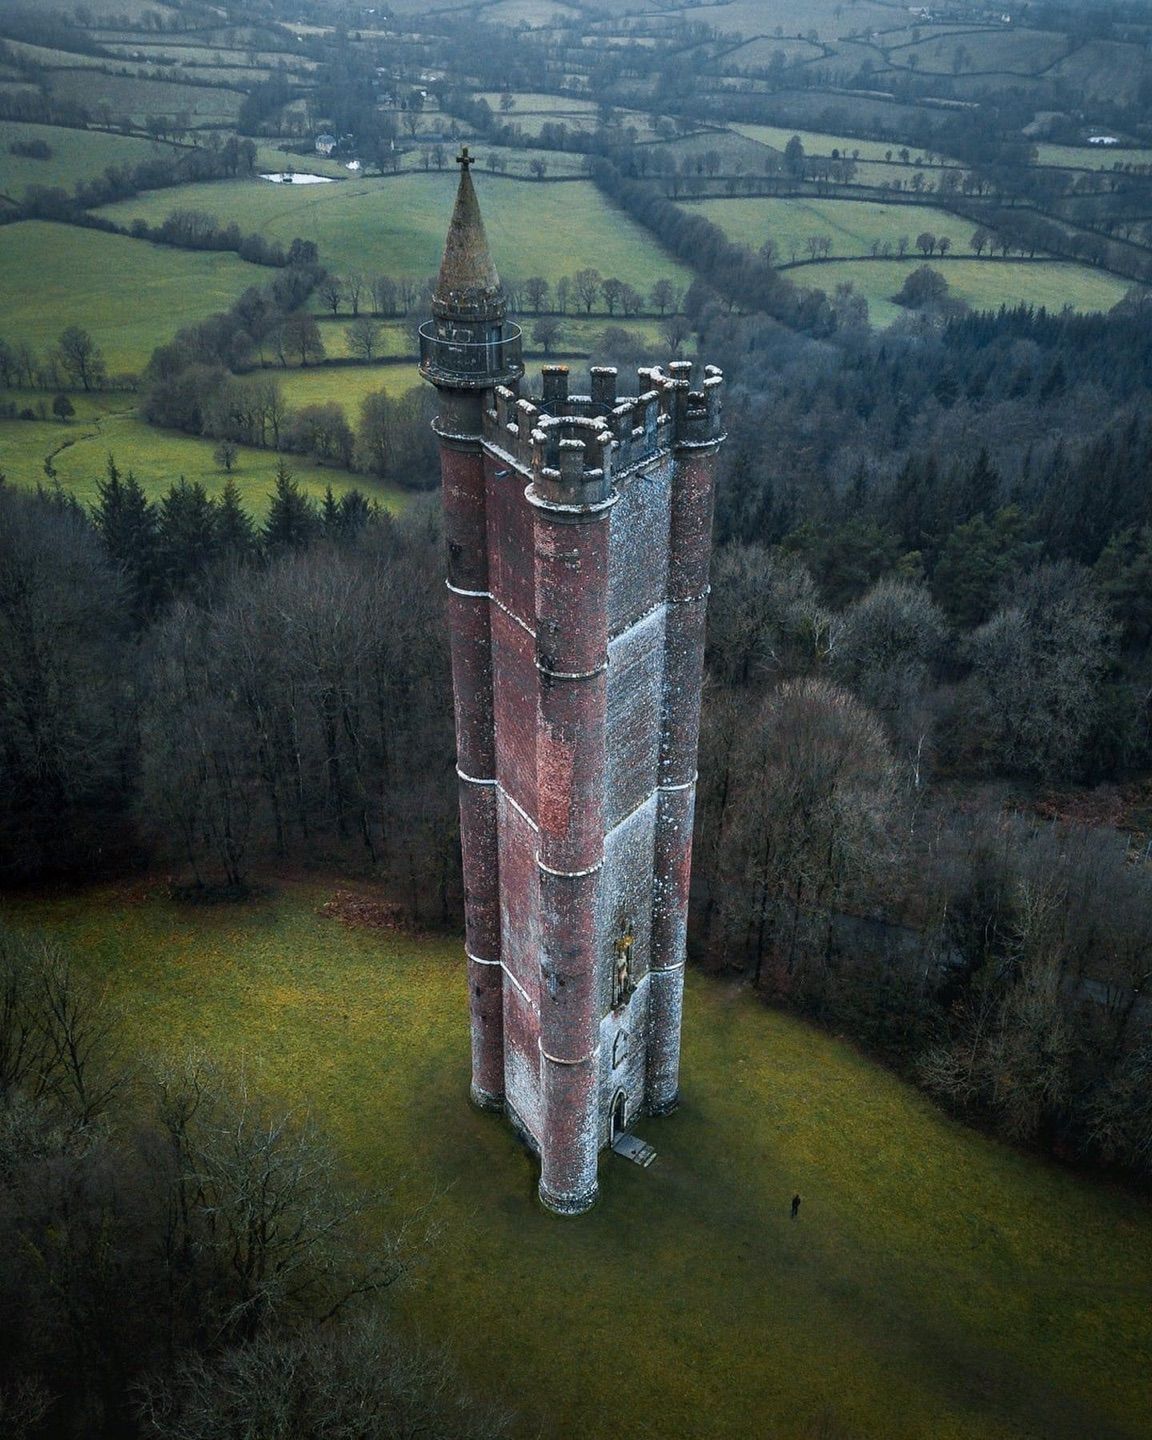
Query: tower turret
(468, 344)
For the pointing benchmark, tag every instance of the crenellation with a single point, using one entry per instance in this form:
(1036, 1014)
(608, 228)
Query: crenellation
(603, 379)
(554, 381)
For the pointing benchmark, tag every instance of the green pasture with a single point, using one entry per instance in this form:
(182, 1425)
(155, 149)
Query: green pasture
(818, 142)
(532, 102)
(130, 295)
(760, 54)
(79, 451)
(397, 225)
(829, 19)
(1015, 51)
(936, 1284)
(852, 225)
(1091, 157)
(1105, 70)
(346, 385)
(535, 13)
(982, 284)
(136, 98)
(76, 155)
(55, 59)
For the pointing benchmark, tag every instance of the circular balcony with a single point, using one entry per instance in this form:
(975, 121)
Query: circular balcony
(470, 364)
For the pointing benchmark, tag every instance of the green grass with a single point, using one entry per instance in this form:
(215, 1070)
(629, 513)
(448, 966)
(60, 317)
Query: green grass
(817, 142)
(852, 225)
(345, 384)
(1091, 157)
(937, 1284)
(157, 457)
(129, 95)
(131, 296)
(397, 226)
(983, 284)
(77, 155)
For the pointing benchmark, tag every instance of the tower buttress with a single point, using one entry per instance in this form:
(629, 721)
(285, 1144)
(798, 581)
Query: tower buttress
(466, 349)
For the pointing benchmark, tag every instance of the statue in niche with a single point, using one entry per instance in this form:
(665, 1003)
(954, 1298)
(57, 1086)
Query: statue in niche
(622, 983)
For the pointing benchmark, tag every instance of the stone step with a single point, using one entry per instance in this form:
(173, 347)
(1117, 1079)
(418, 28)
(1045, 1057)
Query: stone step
(631, 1147)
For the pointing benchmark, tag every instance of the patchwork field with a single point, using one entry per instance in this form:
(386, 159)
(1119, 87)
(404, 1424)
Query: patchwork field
(158, 458)
(852, 225)
(936, 1284)
(397, 225)
(1091, 157)
(76, 155)
(817, 142)
(982, 284)
(136, 98)
(130, 295)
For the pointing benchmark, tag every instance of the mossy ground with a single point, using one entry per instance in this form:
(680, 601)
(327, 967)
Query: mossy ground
(937, 1284)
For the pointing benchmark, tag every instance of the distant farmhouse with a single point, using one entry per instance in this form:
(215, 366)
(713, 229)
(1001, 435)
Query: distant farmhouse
(325, 144)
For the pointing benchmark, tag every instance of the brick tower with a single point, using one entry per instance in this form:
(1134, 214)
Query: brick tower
(578, 536)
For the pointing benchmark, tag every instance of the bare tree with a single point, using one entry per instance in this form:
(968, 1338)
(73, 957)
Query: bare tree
(81, 358)
(363, 337)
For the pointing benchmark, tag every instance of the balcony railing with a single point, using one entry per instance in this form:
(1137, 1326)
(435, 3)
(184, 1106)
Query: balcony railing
(470, 363)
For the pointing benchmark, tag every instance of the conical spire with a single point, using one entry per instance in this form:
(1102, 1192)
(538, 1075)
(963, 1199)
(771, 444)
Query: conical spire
(468, 287)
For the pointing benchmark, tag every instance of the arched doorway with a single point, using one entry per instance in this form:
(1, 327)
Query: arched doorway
(617, 1125)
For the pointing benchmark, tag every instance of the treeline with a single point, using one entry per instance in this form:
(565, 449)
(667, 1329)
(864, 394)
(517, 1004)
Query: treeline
(730, 269)
(190, 384)
(178, 1259)
(196, 230)
(223, 160)
(998, 958)
(177, 682)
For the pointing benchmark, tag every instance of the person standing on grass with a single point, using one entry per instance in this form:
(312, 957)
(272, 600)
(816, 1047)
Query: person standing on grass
(795, 1206)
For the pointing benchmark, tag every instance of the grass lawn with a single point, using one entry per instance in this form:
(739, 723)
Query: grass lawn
(131, 295)
(158, 458)
(397, 225)
(852, 225)
(983, 284)
(936, 1284)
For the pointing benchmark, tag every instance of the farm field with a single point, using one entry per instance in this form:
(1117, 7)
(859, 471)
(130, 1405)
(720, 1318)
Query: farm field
(937, 1283)
(130, 295)
(1015, 51)
(346, 385)
(397, 225)
(76, 155)
(158, 458)
(1091, 157)
(982, 284)
(852, 225)
(817, 142)
(136, 98)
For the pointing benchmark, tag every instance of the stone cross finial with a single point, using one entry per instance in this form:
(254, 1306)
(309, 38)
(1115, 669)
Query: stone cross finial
(464, 159)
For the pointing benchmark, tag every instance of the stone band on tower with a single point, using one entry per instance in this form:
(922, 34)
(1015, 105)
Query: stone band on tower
(578, 536)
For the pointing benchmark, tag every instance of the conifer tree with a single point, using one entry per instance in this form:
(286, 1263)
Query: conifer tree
(187, 536)
(235, 532)
(292, 521)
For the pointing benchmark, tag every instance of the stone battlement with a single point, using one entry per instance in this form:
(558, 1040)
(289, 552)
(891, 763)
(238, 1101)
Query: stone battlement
(572, 444)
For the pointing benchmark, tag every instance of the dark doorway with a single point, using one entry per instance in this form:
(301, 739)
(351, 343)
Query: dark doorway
(617, 1118)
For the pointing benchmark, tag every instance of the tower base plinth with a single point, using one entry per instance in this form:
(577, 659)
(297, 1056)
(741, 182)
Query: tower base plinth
(483, 1101)
(569, 1204)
